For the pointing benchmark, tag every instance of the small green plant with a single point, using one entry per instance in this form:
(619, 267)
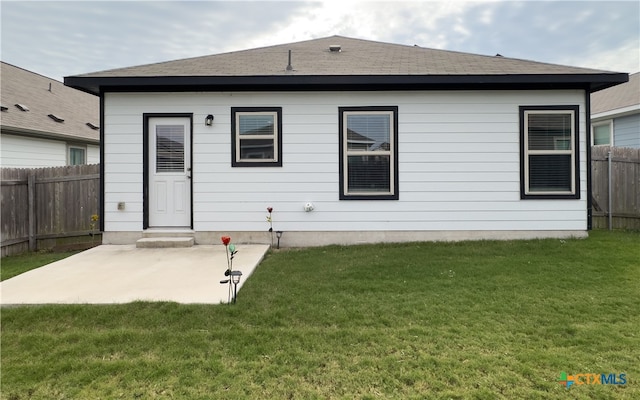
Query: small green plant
(93, 224)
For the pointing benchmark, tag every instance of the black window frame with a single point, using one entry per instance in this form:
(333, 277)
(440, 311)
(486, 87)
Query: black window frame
(525, 193)
(342, 153)
(235, 160)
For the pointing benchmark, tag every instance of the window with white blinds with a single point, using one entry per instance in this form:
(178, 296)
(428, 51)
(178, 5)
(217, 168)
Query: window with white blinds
(170, 148)
(549, 152)
(256, 137)
(368, 147)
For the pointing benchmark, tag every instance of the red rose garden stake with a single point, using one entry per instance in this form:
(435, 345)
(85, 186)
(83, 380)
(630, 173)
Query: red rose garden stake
(231, 251)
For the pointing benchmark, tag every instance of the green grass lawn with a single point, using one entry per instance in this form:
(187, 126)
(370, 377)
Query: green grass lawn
(470, 320)
(16, 265)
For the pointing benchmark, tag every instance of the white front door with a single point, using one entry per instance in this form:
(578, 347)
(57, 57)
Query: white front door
(169, 172)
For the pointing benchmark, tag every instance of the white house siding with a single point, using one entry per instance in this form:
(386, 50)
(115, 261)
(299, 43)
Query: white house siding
(459, 161)
(93, 154)
(626, 131)
(27, 152)
(30, 152)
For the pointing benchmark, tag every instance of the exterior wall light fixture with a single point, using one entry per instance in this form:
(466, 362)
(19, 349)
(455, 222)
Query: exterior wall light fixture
(209, 120)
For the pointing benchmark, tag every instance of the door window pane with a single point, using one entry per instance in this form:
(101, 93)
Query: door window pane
(170, 148)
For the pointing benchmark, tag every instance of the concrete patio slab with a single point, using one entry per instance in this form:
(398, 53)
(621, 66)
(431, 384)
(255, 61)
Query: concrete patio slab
(110, 274)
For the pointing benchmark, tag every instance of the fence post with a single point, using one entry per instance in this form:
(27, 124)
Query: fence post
(31, 188)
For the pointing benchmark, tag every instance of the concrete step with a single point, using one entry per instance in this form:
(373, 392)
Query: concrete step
(164, 233)
(164, 242)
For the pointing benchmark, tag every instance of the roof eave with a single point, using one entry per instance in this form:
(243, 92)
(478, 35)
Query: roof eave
(13, 130)
(96, 85)
(617, 112)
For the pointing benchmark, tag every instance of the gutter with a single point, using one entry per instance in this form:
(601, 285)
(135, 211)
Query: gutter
(617, 112)
(96, 84)
(9, 130)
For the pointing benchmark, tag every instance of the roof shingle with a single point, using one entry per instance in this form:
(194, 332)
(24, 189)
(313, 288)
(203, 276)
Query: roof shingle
(624, 95)
(43, 97)
(357, 57)
(360, 64)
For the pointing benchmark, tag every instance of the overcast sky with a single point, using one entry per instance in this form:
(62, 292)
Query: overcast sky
(63, 38)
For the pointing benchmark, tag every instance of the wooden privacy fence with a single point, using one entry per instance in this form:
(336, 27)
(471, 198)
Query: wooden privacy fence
(47, 207)
(615, 178)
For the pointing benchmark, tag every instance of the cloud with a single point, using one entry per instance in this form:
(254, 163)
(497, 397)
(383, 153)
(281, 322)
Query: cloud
(571, 33)
(62, 38)
(623, 58)
(399, 22)
(66, 38)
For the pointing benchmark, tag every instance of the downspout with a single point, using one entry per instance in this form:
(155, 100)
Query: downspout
(101, 195)
(587, 103)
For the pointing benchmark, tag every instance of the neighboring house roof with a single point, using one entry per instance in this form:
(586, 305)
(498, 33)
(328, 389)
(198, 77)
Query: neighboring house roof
(70, 109)
(342, 62)
(619, 99)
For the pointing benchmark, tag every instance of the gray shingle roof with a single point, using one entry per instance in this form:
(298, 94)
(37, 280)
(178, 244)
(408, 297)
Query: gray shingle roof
(357, 59)
(621, 96)
(76, 108)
